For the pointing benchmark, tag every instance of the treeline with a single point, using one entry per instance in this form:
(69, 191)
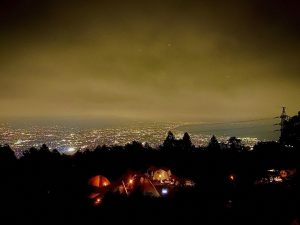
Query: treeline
(180, 155)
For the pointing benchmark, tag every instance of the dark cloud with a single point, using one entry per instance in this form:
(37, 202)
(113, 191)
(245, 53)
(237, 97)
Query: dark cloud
(166, 60)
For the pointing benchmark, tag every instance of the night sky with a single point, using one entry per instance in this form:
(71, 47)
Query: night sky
(174, 60)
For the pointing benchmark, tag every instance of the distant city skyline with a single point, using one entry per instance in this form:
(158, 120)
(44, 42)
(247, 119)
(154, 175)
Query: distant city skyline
(69, 139)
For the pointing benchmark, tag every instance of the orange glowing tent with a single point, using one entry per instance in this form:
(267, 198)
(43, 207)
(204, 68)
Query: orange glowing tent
(99, 181)
(99, 185)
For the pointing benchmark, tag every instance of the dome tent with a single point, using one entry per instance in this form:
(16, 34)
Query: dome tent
(161, 174)
(99, 186)
(99, 181)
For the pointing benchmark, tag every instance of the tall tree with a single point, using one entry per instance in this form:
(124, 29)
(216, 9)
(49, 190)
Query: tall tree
(214, 144)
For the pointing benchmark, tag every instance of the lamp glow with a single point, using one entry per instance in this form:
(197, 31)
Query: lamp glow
(164, 191)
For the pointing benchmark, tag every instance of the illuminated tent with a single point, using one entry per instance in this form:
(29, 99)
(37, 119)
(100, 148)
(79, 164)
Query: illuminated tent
(99, 181)
(99, 184)
(161, 174)
(137, 184)
(147, 187)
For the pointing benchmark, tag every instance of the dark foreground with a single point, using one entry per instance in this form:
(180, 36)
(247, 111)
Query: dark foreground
(44, 187)
(269, 205)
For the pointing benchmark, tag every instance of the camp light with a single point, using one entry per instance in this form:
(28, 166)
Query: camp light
(164, 191)
(98, 201)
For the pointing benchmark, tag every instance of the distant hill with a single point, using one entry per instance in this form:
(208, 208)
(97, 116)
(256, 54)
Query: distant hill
(261, 129)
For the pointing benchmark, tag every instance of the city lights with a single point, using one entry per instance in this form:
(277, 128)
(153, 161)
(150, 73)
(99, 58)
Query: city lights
(71, 149)
(58, 137)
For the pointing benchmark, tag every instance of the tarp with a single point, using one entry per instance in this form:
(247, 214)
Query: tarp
(147, 187)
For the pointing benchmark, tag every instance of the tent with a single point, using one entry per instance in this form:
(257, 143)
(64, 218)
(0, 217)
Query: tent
(99, 185)
(99, 181)
(147, 187)
(161, 174)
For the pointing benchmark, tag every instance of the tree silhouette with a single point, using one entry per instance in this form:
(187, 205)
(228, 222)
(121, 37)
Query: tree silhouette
(7, 158)
(214, 144)
(186, 142)
(170, 141)
(235, 144)
(6, 153)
